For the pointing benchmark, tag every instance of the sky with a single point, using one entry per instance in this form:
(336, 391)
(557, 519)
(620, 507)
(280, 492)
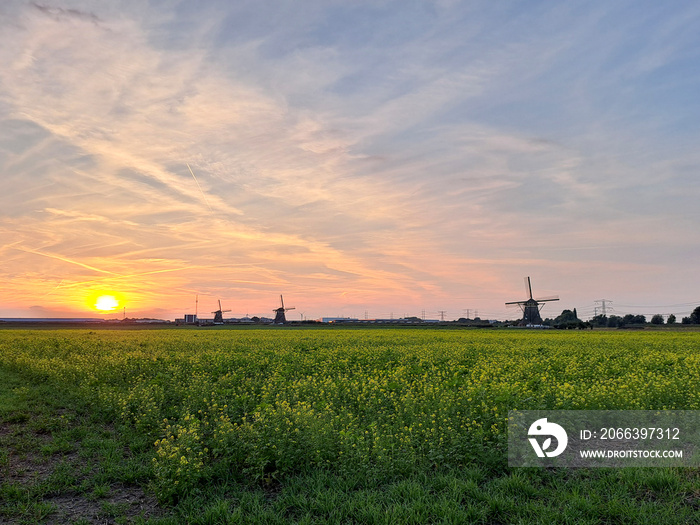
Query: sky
(363, 158)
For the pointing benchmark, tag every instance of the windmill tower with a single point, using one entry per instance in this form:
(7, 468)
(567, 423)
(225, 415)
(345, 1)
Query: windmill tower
(219, 314)
(279, 313)
(531, 307)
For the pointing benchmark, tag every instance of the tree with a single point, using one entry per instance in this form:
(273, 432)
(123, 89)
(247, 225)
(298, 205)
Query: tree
(657, 319)
(600, 320)
(634, 319)
(566, 316)
(695, 316)
(614, 321)
(671, 319)
(568, 319)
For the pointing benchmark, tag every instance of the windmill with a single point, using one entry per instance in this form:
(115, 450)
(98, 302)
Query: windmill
(219, 314)
(531, 307)
(279, 313)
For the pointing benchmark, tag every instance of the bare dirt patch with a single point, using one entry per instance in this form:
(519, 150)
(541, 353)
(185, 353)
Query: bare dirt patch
(25, 466)
(23, 462)
(122, 502)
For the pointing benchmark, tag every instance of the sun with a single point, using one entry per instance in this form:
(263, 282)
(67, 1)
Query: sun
(106, 303)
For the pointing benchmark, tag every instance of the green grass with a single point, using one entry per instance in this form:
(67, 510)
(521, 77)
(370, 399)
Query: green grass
(357, 413)
(57, 458)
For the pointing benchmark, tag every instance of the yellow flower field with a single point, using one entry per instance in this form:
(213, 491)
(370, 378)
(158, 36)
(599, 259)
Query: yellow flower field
(266, 404)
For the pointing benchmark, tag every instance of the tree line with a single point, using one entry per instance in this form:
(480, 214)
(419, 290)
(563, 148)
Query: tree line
(569, 319)
(657, 319)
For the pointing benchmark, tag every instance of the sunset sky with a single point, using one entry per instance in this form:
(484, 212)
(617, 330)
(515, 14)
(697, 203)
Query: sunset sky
(359, 157)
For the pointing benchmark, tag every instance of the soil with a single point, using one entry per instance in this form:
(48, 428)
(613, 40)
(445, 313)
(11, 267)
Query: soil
(23, 465)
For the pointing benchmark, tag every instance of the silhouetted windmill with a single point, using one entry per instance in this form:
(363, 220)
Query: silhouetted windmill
(219, 314)
(531, 307)
(280, 318)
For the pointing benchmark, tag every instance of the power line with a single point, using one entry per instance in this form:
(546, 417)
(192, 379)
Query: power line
(679, 305)
(603, 305)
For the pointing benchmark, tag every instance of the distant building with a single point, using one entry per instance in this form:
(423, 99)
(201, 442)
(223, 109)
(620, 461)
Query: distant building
(401, 320)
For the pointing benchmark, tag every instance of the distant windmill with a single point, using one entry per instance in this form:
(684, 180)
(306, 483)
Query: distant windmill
(280, 318)
(219, 314)
(531, 307)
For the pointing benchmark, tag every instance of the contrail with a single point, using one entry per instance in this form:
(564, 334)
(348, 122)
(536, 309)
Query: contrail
(200, 188)
(118, 277)
(64, 259)
(55, 288)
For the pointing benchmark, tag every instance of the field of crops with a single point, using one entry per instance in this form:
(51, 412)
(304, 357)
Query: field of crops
(266, 406)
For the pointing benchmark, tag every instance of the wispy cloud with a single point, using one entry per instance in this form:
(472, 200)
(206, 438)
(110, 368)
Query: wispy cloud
(352, 154)
(59, 13)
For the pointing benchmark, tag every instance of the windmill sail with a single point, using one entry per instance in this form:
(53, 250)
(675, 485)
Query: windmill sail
(531, 307)
(280, 318)
(219, 314)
